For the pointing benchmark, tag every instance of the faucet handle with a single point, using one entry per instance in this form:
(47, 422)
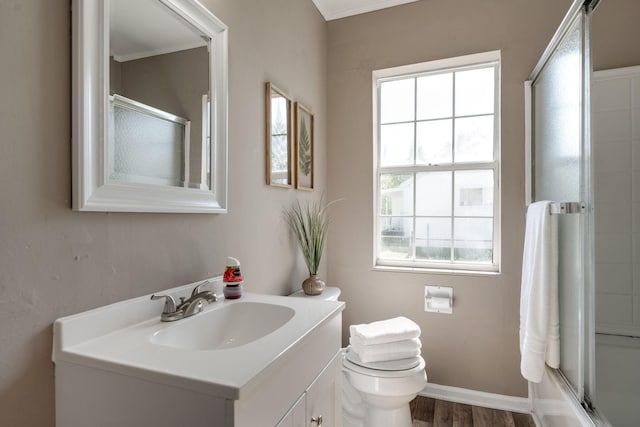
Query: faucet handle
(196, 290)
(169, 303)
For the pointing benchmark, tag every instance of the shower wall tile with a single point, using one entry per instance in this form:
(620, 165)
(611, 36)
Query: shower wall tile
(635, 216)
(613, 217)
(635, 90)
(614, 278)
(614, 94)
(636, 312)
(614, 187)
(613, 248)
(611, 126)
(635, 188)
(612, 157)
(616, 175)
(614, 310)
(635, 259)
(635, 154)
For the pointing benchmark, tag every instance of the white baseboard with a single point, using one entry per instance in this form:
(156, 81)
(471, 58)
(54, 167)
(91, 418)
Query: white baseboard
(477, 398)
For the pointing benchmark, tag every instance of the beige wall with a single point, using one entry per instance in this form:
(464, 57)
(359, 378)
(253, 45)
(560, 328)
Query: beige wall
(615, 33)
(477, 346)
(55, 262)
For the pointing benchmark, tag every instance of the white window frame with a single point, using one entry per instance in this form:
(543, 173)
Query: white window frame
(413, 70)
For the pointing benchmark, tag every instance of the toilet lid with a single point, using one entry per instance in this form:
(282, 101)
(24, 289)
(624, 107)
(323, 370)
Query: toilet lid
(390, 365)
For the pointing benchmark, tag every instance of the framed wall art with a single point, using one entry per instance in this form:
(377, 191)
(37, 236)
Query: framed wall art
(304, 147)
(278, 137)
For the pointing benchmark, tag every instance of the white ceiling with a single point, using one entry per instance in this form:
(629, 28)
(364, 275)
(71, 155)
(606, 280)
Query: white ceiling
(335, 9)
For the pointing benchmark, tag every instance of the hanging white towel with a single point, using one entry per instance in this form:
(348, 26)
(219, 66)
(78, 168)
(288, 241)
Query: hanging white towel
(384, 331)
(539, 315)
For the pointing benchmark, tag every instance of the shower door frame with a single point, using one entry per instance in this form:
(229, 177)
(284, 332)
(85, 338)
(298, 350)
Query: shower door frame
(580, 10)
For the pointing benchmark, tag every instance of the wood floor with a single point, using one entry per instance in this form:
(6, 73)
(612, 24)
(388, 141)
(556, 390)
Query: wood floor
(427, 412)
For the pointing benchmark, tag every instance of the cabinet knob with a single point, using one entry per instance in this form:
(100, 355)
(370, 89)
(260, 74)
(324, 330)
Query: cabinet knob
(317, 420)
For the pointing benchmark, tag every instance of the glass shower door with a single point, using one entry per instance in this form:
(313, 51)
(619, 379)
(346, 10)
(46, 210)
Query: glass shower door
(559, 153)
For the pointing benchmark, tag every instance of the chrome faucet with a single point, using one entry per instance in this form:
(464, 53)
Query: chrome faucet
(187, 307)
(209, 296)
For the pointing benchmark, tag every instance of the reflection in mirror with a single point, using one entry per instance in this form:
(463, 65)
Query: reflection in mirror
(278, 137)
(149, 107)
(146, 145)
(160, 64)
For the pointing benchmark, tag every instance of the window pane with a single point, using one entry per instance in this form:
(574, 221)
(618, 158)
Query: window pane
(434, 142)
(473, 240)
(435, 96)
(395, 238)
(475, 92)
(474, 193)
(437, 166)
(396, 101)
(433, 239)
(433, 193)
(396, 194)
(396, 144)
(474, 139)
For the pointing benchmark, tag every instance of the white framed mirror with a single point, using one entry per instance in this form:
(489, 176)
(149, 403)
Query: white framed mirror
(149, 107)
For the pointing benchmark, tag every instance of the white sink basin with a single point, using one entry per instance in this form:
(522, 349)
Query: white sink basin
(223, 351)
(228, 327)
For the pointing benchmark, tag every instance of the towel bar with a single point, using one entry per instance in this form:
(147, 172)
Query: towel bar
(561, 208)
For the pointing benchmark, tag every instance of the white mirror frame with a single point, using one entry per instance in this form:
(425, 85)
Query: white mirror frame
(92, 190)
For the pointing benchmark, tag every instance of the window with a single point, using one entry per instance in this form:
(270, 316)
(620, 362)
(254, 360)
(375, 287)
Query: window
(437, 141)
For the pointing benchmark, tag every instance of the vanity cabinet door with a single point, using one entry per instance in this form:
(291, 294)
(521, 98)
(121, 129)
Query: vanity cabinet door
(324, 396)
(296, 417)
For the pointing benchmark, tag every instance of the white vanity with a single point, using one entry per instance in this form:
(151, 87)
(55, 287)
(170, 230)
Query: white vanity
(261, 360)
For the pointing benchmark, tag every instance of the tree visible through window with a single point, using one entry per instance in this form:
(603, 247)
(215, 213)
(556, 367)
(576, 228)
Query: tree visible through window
(437, 169)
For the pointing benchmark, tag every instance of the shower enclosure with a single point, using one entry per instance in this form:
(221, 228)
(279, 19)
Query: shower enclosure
(616, 162)
(584, 154)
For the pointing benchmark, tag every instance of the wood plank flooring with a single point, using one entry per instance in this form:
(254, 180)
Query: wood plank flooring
(428, 412)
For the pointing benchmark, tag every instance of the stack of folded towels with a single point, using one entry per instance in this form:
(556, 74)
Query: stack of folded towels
(385, 340)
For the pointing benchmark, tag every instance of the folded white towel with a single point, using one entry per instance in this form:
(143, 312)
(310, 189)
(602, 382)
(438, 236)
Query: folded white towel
(386, 357)
(539, 314)
(385, 331)
(389, 347)
(387, 351)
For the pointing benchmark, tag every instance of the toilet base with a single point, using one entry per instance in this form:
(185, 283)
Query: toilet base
(400, 417)
(348, 421)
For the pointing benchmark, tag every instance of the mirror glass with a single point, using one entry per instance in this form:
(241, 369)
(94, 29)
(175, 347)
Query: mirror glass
(279, 137)
(149, 95)
(158, 86)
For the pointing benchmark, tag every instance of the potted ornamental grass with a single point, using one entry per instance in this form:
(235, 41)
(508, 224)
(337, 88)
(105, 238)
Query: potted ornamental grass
(310, 223)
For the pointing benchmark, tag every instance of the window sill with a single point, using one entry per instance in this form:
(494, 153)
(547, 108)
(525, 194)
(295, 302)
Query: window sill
(426, 270)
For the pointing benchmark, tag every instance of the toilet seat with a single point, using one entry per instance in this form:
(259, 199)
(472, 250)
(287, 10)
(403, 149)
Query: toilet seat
(390, 365)
(391, 369)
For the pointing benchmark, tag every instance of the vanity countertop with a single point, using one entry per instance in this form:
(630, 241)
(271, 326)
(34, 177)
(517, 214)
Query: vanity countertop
(119, 338)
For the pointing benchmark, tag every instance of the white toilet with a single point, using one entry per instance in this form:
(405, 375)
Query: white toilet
(376, 394)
